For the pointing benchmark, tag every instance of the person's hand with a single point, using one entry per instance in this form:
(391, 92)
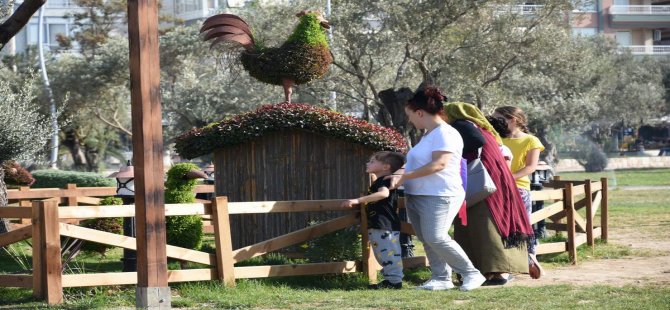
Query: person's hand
(396, 180)
(349, 203)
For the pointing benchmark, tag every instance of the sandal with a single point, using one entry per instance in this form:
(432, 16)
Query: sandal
(534, 269)
(498, 281)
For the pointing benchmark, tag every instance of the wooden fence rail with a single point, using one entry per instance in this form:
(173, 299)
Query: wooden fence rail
(47, 222)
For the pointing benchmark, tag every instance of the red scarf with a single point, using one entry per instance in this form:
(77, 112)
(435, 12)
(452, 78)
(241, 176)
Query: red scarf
(506, 205)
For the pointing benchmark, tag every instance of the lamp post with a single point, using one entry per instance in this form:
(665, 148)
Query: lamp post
(541, 175)
(125, 189)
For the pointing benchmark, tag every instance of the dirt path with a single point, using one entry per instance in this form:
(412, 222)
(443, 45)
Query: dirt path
(653, 270)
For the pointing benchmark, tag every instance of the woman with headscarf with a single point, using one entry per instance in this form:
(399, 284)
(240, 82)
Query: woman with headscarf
(498, 228)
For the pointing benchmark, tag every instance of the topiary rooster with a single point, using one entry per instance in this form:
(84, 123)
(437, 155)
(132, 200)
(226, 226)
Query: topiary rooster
(302, 58)
(186, 230)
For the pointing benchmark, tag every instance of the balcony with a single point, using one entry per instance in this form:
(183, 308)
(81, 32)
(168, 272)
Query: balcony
(519, 9)
(648, 50)
(640, 16)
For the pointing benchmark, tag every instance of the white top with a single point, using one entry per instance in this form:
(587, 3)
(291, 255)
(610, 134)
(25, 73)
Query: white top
(507, 153)
(446, 182)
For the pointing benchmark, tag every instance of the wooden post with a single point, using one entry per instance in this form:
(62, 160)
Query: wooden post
(71, 199)
(588, 195)
(25, 203)
(152, 281)
(603, 211)
(568, 201)
(47, 266)
(225, 266)
(369, 261)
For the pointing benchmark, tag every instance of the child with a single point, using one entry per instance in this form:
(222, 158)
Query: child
(500, 126)
(526, 150)
(383, 219)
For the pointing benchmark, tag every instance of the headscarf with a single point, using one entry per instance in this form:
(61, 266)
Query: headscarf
(467, 111)
(505, 204)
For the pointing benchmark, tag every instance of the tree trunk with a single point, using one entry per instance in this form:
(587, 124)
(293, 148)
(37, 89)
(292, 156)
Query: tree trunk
(73, 144)
(4, 223)
(550, 154)
(394, 103)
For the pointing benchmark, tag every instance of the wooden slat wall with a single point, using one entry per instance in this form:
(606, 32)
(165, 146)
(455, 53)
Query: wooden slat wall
(287, 165)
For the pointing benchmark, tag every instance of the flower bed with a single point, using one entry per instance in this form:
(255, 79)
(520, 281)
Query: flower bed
(246, 127)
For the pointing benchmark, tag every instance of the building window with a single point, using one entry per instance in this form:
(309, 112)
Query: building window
(59, 3)
(51, 31)
(584, 32)
(183, 6)
(585, 6)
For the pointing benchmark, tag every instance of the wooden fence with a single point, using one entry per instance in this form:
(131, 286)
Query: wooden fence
(45, 222)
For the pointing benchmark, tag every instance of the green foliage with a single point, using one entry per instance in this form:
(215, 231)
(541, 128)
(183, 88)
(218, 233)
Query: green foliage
(342, 245)
(24, 130)
(309, 32)
(301, 63)
(112, 225)
(243, 128)
(60, 179)
(183, 231)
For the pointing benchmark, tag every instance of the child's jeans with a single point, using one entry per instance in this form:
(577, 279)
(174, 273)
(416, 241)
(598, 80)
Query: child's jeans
(386, 246)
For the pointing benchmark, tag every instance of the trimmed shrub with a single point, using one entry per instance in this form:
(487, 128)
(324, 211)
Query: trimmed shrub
(60, 179)
(112, 225)
(186, 230)
(342, 245)
(590, 155)
(15, 175)
(286, 116)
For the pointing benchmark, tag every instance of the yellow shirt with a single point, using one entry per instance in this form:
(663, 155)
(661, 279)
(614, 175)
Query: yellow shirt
(520, 148)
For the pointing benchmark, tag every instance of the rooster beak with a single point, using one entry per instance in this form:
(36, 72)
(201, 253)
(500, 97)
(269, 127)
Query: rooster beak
(325, 24)
(195, 174)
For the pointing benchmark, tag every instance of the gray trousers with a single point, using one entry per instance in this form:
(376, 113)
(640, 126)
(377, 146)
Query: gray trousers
(431, 217)
(386, 246)
(528, 203)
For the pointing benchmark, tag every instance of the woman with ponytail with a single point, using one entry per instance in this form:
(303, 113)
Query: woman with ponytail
(434, 191)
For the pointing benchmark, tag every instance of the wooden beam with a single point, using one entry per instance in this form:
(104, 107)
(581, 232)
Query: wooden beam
(552, 247)
(295, 237)
(15, 212)
(548, 194)
(287, 206)
(588, 198)
(414, 262)
(97, 212)
(295, 270)
(128, 278)
(407, 228)
(597, 199)
(546, 212)
(570, 219)
(369, 260)
(225, 264)
(147, 153)
(16, 280)
(16, 235)
(604, 210)
(42, 193)
(131, 244)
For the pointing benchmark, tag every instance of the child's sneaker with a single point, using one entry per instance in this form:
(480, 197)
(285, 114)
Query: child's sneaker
(386, 285)
(436, 285)
(471, 282)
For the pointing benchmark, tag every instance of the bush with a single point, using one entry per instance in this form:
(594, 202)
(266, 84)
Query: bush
(111, 225)
(590, 155)
(60, 179)
(186, 230)
(342, 245)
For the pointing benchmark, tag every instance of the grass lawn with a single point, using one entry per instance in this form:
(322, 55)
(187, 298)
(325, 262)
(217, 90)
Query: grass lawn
(631, 212)
(629, 177)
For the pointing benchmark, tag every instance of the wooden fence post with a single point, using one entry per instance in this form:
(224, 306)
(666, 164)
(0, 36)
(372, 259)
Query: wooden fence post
(369, 261)
(588, 195)
(47, 266)
(25, 203)
(569, 207)
(71, 199)
(225, 266)
(603, 211)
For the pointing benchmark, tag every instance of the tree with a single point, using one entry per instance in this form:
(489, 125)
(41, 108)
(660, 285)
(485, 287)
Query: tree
(18, 19)
(24, 131)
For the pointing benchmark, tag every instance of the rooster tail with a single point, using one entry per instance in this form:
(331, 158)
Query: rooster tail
(228, 27)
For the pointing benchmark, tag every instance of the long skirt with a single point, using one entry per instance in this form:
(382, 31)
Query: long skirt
(482, 243)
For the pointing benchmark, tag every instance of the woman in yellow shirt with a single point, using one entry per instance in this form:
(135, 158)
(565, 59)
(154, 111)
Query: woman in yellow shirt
(526, 149)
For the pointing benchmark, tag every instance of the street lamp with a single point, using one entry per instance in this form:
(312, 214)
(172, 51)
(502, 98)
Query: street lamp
(209, 171)
(125, 189)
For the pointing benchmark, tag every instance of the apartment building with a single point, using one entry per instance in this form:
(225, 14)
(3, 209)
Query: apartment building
(641, 26)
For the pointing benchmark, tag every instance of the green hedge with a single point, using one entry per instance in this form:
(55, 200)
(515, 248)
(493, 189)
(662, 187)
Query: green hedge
(60, 179)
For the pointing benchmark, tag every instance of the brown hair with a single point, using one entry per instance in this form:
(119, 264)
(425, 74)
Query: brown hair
(394, 159)
(512, 112)
(500, 125)
(430, 99)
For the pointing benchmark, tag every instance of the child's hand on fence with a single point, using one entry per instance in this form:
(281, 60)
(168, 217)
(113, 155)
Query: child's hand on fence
(349, 203)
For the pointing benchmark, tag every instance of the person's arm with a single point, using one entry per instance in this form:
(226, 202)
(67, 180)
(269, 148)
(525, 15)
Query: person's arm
(379, 195)
(532, 157)
(439, 162)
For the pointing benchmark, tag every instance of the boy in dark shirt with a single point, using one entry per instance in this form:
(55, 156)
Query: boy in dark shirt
(383, 220)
